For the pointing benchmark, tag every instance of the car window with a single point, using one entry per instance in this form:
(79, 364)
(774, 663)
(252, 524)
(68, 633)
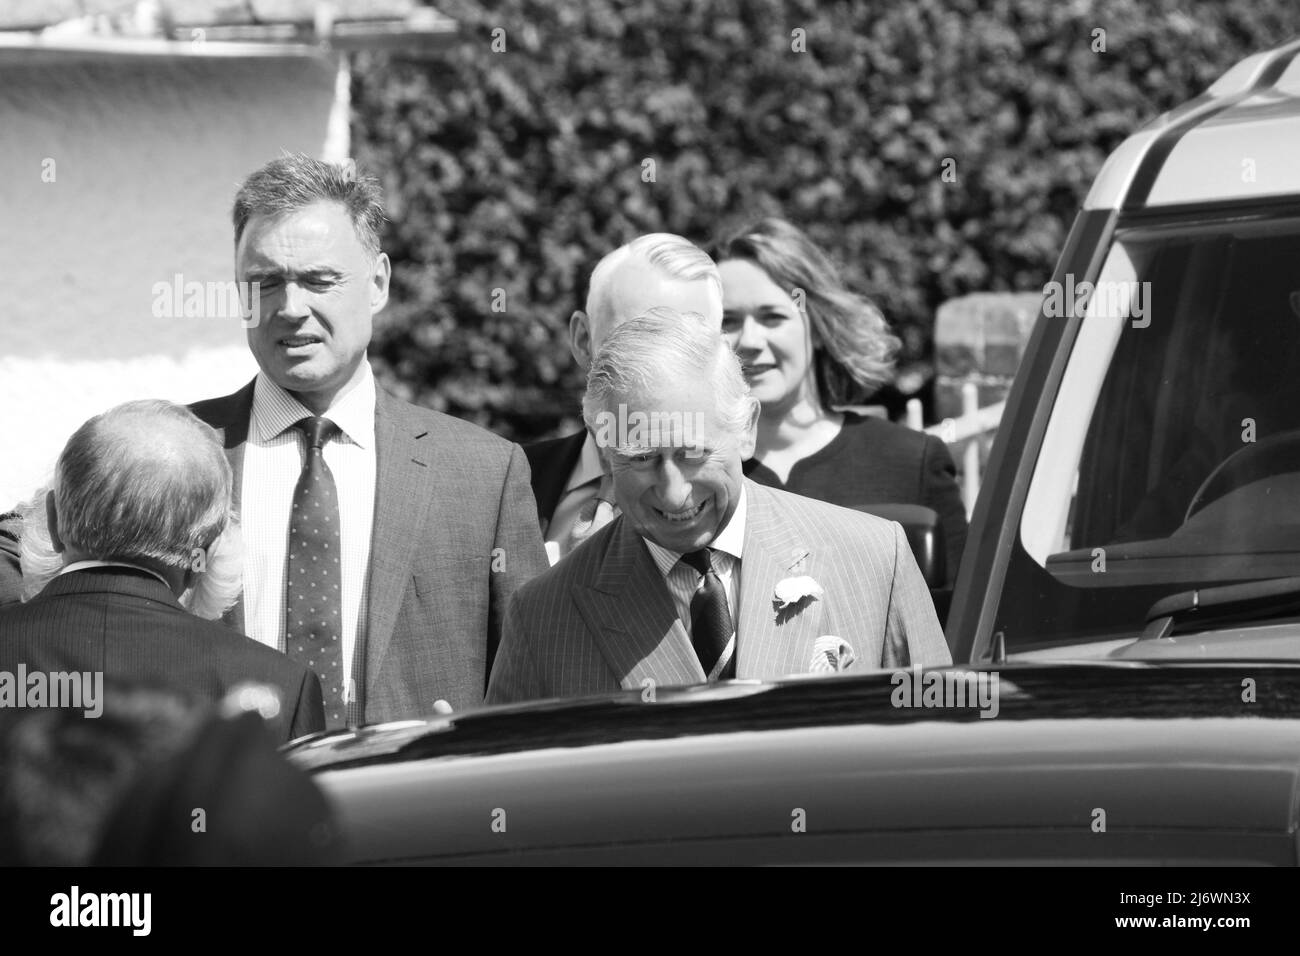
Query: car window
(1171, 458)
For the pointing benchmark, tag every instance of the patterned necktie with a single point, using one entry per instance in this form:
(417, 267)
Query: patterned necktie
(710, 618)
(313, 597)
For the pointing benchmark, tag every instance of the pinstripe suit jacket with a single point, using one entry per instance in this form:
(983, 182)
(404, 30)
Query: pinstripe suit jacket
(127, 624)
(603, 618)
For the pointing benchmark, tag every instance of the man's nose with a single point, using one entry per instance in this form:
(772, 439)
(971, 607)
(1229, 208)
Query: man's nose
(673, 487)
(295, 302)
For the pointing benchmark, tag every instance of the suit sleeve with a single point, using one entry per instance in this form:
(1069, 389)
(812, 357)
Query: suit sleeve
(309, 714)
(518, 554)
(941, 492)
(913, 637)
(514, 675)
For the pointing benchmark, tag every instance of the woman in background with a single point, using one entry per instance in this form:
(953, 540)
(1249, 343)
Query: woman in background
(809, 346)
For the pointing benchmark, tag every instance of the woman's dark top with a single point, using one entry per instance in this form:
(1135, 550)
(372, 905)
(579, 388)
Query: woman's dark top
(872, 462)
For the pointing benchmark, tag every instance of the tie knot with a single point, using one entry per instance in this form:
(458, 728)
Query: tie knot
(317, 430)
(700, 560)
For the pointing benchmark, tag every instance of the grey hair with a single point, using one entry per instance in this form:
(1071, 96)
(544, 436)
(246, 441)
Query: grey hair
(39, 562)
(675, 257)
(296, 180)
(120, 495)
(664, 345)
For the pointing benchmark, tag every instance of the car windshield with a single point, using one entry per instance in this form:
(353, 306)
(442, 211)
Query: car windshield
(1171, 459)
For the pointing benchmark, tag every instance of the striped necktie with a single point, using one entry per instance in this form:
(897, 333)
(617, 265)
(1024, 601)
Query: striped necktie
(710, 618)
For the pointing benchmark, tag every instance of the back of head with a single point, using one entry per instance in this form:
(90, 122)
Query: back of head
(145, 481)
(854, 347)
(659, 254)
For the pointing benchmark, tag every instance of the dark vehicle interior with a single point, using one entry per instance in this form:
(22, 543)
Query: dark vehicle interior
(1190, 470)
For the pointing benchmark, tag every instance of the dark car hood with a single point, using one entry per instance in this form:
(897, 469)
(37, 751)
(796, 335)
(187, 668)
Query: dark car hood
(1144, 755)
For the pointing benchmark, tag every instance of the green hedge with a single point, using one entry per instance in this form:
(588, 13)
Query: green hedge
(516, 170)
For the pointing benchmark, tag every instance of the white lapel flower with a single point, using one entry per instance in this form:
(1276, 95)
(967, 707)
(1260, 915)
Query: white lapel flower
(791, 591)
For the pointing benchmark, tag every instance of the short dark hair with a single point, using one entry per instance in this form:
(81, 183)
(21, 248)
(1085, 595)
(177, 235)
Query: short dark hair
(296, 181)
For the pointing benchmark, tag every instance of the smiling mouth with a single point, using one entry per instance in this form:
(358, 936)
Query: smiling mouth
(681, 517)
(298, 341)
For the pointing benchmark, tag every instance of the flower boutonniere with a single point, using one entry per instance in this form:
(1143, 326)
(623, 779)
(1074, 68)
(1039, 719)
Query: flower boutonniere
(792, 591)
(795, 592)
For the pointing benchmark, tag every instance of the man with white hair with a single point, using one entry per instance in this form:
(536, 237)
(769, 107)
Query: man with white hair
(574, 494)
(706, 575)
(140, 527)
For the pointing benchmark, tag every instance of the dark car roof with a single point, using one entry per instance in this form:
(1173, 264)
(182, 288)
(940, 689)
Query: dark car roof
(1179, 765)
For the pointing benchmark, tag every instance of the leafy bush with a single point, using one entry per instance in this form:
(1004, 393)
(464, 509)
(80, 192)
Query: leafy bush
(509, 173)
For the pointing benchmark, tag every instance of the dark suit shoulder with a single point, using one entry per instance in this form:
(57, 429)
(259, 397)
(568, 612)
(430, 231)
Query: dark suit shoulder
(242, 648)
(219, 412)
(551, 462)
(560, 451)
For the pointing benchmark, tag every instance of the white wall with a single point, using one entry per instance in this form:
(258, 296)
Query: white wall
(147, 154)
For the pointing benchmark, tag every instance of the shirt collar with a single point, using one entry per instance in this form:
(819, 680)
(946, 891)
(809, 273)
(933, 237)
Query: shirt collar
(275, 410)
(730, 539)
(588, 468)
(81, 565)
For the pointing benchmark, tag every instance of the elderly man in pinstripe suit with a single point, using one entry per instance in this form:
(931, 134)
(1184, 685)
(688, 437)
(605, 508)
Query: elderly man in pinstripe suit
(705, 575)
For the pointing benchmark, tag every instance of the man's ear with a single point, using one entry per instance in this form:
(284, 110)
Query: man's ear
(52, 520)
(580, 339)
(383, 272)
(749, 438)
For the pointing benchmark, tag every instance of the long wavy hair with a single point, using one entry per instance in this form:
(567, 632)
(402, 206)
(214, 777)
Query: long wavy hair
(853, 349)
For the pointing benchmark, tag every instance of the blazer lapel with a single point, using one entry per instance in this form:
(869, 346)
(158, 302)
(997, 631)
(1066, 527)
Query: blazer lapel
(403, 493)
(769, 645)
(551, 463)
(631, 615)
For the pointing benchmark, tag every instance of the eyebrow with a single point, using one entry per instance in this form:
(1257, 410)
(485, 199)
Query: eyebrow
(766, 307)
(632, 452)
(259, 273)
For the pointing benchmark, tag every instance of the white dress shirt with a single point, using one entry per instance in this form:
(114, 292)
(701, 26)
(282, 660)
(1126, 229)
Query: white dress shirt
(273, 460)
(584, 482)
(683, 580)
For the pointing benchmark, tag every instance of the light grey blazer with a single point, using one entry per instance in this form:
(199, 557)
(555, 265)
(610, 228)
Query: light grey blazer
(602, 618)
(455, 533)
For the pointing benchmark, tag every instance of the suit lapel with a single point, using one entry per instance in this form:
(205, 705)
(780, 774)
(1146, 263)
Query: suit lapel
(403, 493)
(631, 615)
(768, 645)
(551, 463)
